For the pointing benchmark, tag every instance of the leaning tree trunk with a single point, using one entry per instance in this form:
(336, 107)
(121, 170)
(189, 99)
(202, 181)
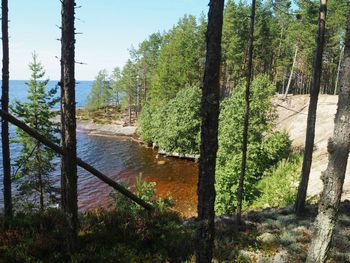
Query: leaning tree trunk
(338, 71)
(333, 177)
(209, 134)
(246, 118)
(311, 117)
(4, 105)
(291, 73)
(69, 121)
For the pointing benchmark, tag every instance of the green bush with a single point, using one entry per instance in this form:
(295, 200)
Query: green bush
(278, 187)
(124, 234)
(144, 190)
(265, 146)
(175, 126)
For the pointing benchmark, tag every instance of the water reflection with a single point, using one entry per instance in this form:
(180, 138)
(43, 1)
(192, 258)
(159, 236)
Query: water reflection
(123, 160)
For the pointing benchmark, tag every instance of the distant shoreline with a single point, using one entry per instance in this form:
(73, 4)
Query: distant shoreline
(113, 128)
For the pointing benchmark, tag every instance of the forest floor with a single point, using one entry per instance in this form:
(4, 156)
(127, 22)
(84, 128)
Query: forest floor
(277, 235)
(292, 116)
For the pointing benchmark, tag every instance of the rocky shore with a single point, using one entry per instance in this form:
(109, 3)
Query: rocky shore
(113, 129)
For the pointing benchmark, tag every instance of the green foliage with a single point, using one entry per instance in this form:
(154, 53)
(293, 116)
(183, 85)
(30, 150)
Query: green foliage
(278, 187)
(181, 60)
(35, 188)
(124, 234)
(116, 88)
(175, 126)
(100, 94)
(265, 146)
(144, 190)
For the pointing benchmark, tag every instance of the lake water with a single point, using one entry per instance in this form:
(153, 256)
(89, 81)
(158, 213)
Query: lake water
(18, 90)
(122, 160)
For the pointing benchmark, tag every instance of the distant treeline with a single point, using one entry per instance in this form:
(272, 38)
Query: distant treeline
(167, 62)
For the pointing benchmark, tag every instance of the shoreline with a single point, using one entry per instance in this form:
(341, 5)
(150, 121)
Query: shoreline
(111, 130)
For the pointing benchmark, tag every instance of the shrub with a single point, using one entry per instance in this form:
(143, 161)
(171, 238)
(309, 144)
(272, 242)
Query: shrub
(278, 187)
(265, 147)
(124, 234)
(144, 190)
(175, 126)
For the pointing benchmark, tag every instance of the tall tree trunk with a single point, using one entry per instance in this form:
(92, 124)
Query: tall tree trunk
(246, 117)
(129, 109)
(40, 176)
(69, 121)
(333, 177)
(291, 73)
(311, 117)
(4, 105)
(338, 71)
(209, 134)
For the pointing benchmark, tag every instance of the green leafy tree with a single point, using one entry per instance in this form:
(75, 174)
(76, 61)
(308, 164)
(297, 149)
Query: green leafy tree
(265, 147)
(100, 94)
(115, 86)
(130, 85)
(181, 128)
(147, 57)
(175, 126)
(35, 162)
(181, 59)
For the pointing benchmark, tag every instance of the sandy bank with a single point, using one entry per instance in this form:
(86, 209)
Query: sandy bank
(292, 117)
(113, 129)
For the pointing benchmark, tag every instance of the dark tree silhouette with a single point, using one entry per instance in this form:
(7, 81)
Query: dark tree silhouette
(4, 105)
(209, 134)
(246, 117)
(311, 117)
(333, 177)
(69, 160)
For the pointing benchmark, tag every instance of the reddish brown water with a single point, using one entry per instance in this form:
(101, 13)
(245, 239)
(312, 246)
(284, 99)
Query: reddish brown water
(123, 160)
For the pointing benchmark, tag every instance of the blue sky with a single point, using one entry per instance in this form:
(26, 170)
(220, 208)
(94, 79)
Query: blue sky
(109, 29)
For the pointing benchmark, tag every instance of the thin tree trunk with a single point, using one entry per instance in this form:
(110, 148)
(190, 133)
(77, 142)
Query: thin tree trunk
(69, 121)
(338, 71)
(129, 109)
(311, 117)
(291, 73)
(240, 190)
(40, 178)
(333, 177)
(4, 105)
(209, 134)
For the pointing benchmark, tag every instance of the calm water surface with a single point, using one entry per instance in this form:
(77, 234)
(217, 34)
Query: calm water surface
(122, 160)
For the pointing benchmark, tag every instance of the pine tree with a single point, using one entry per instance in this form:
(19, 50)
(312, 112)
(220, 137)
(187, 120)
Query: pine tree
(246, 116)
(4, 106)
(311, 117)
(333, 176)
(35, 163)
(68, 118)
(209, 134)
(100, 95)
(114, 81)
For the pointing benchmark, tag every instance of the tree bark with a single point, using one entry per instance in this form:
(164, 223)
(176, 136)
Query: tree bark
(246, 117)
(4, 105)
(333, 177)
(311, 117)
(129, 109)
(209, 134)
(291, 73)
(69, 121)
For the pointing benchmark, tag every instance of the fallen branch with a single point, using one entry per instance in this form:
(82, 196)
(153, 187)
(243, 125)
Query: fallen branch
(33, 133)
